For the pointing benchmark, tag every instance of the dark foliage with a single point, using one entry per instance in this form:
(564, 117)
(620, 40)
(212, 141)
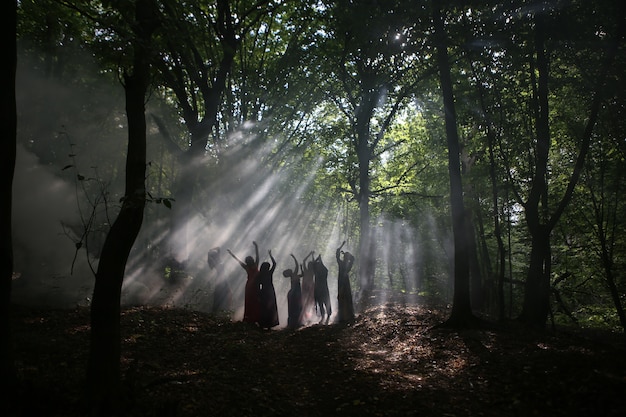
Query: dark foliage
(389, 362)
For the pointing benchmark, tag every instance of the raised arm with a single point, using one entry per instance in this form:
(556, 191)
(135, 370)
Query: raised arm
(307, 257)
(338, 252)
(273, 261)
(295, 269)
(256, 253)
(243, 265)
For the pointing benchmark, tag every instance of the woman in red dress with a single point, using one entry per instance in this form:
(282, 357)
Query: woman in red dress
(252, 303)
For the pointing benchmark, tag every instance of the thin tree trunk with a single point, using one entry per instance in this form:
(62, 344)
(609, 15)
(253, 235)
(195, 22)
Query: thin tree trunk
(476, 275)
(497, 229)
(103, 369)
(537, 294)
(604, 223)
(501, 253)
(8, 129)
(537, 289)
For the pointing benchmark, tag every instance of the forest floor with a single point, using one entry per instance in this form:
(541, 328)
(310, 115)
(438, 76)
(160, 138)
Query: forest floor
(389, 362)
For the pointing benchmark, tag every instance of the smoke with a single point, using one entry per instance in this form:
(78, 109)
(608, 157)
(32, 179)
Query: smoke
(61, 122)
(248, 200)
(246, 195)
(43, 252)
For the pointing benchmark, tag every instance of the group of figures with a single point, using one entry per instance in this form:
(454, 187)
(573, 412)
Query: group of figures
(260, 297)
(308, 295)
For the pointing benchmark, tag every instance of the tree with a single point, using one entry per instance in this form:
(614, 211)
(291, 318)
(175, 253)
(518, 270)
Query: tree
(530, 71)
(8, 129)
(539, 220)
(483, 75)
(195, 63)
(461, 314)
(604, 195)
(103, 369)
(373, 66)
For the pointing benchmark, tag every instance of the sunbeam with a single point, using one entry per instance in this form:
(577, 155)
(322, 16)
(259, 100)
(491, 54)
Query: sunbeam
(248, 201)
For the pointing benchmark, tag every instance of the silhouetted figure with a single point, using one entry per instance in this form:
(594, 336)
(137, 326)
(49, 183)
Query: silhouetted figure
(252, 305)
(294, 296)
(308, 288)
(214, 257)
(345, 313)
(322, 296)
(269, 309)
(222, 293)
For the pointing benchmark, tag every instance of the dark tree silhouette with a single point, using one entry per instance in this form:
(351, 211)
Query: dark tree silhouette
(461, 314)
(8, 128)
(199, 88)
(103, 369)
(540, 223)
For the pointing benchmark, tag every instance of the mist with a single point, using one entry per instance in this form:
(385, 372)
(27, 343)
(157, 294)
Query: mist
(67, 131)
(59, 124)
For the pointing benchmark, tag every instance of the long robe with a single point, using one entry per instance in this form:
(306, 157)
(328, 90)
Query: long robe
(308, 294)
(252, 303)
(269, 310)
(345, 307)
(294, 303)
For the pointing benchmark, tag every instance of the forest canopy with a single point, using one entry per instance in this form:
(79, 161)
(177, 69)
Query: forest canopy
(464, 156)
(304, 124)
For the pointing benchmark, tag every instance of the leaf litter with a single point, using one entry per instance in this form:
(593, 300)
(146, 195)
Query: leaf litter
(390, 362)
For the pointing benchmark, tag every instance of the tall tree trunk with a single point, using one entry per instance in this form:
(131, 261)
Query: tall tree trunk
(367, 259)
(606, 217)
(535, 307)
(497, 227)
(476, 274)
(8, 129)
(461, 314)
(477, 261)
(191, 163)
(497, 224)
(103, 369)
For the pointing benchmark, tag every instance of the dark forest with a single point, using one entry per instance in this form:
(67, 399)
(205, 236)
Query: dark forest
(283, 207)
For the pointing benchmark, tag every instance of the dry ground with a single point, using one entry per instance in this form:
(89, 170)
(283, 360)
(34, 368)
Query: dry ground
(390, 362)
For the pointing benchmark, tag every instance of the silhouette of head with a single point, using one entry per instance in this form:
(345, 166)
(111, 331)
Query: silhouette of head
(265, 266)
(249, 260)
(287, 273)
